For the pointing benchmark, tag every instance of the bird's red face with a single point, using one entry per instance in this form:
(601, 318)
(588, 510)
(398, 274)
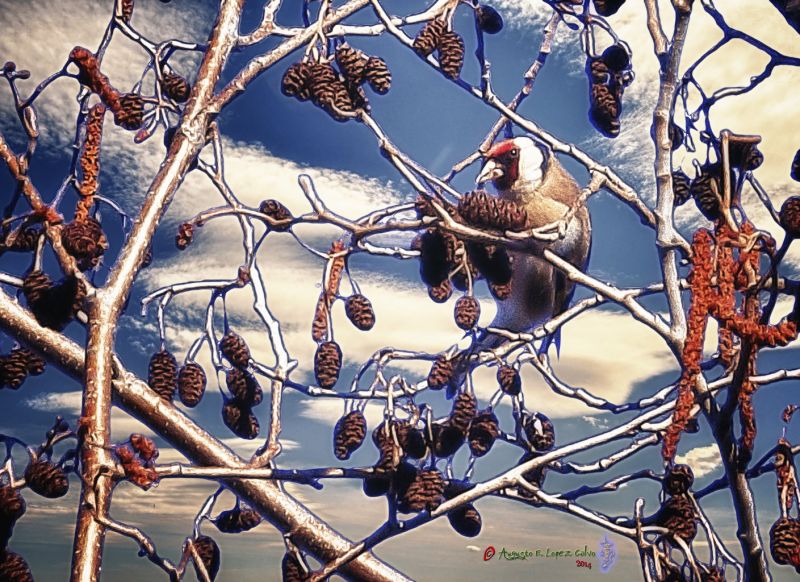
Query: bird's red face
(502, 165)
(511, 160)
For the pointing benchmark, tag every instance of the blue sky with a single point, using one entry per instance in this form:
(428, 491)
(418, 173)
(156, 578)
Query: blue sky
(269, 141)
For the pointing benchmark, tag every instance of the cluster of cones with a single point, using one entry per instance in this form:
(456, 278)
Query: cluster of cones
(17, 365)
(341, 92)
(435, 36)
(237, 412)
(447, 262)
(608, 74)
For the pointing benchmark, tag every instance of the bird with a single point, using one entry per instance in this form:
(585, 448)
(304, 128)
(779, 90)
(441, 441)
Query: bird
(527, 172)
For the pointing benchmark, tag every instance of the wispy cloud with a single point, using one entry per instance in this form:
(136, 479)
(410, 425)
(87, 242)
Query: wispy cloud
(702, 460)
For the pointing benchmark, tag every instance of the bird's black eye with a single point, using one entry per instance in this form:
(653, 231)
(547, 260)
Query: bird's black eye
(514, 153)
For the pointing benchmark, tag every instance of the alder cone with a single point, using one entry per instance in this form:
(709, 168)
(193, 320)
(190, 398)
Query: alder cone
(436, 256)
(442, 292)
(46, 479)
(36, 287)
(784, 542)
(483, 432)
(424, 493)
(794, 173)
(185, 236)
(482, 209)
(441, 373)
(322, 84)
(509, 380)
(163, 374)
(210, 556)
(744, 156)
(534, 476)
(466, 312)
(607, 7)
(447, 439)
(352, 63)
(244, 387)
(376, 486)
(349, 433)
(53, 305)
(239, 418)
(412, 440)
(617, 58)
(237, 520)
(707, 190)
(542, 438)
(494, 263)
(451, 54)
(359, 311)
(500, 291)
(676, 135)
(24, 240)
(681, 187)
(295, 82)
(191, 384)
(33, 363)
(176, 87)
(12, 507)
(276, 211)
(130, 113)
(235, 349)
(790, 216)
(13, 372)
(678, 515)
(291, 569)
(678, 480)
(464, 408)
(604, 109)
(14, 568)
(378, 75)
(86, 241)
(466, 520)
(489, 19)
(327, 364)
(427, 39)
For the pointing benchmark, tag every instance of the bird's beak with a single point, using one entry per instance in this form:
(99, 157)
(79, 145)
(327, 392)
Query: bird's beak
(490, 171)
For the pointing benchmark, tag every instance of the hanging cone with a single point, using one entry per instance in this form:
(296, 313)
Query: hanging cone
(447, 439)
(483, 432)
(163, 374)
(678, 515)
(441, 373)
(349, 433)
(451, 54)
(210, 556)
(681, 187)
(296, 80)
(359, 311)
(790, 216)
(352, 63)
(678, 480)
(424, 493)
(176, 87)
(46, 479)
(428, 38)
(191, 384)
(467, 311)
(13, 372)
(185, 236)
(85, 241)
(464, 408)
(244, 387)
(482, 209)
(14, 568)
(541, 435)
(327, 364)
(240, 420)
(276, 211)
(489, 19)
(130, 113)
(237, 520)
(235, 349)
(291, 569)
(378, 75)
(509, 380)
(441, 293)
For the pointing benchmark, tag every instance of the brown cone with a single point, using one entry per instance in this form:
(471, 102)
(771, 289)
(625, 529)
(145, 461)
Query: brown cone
(541, 439)
(442, 292)
(412, 440)
(13, 372)
(240, 419)
(359, 311)
(46, 479)
(389, 448)
(604, 109)
(494, 263)
(447, 439)
(85, 241)
(509, 380)
(680, 187)
(441, 373)
(349, 434)
(482, 209)
(327, 364)
(424, 493)
(708, 189)
(794, 173)
(14, 568)
(744, 156)
(237, 520)
(451, 54)
(291, 569)
(235, 349)
(131, 111)
(210, 556)
(352, 63)
(23, 240)
(466, 312)
(436, 256)
(678, 515)
(244, 387)
(163, 374)
(12, 507)
(790, 216)
(483, 432)
(784, 541)
(191, 384)
(296, 80)
(33, 363)
(500, 291)
(276, 211)
(127, 10)
(378, 75)
(176, 87)
(466, 520)
(54, 305)
(185, 236)
(678, 480)
(464, 408)
(428, 38)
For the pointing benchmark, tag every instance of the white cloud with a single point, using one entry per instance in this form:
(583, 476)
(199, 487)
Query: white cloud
(702, 460)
